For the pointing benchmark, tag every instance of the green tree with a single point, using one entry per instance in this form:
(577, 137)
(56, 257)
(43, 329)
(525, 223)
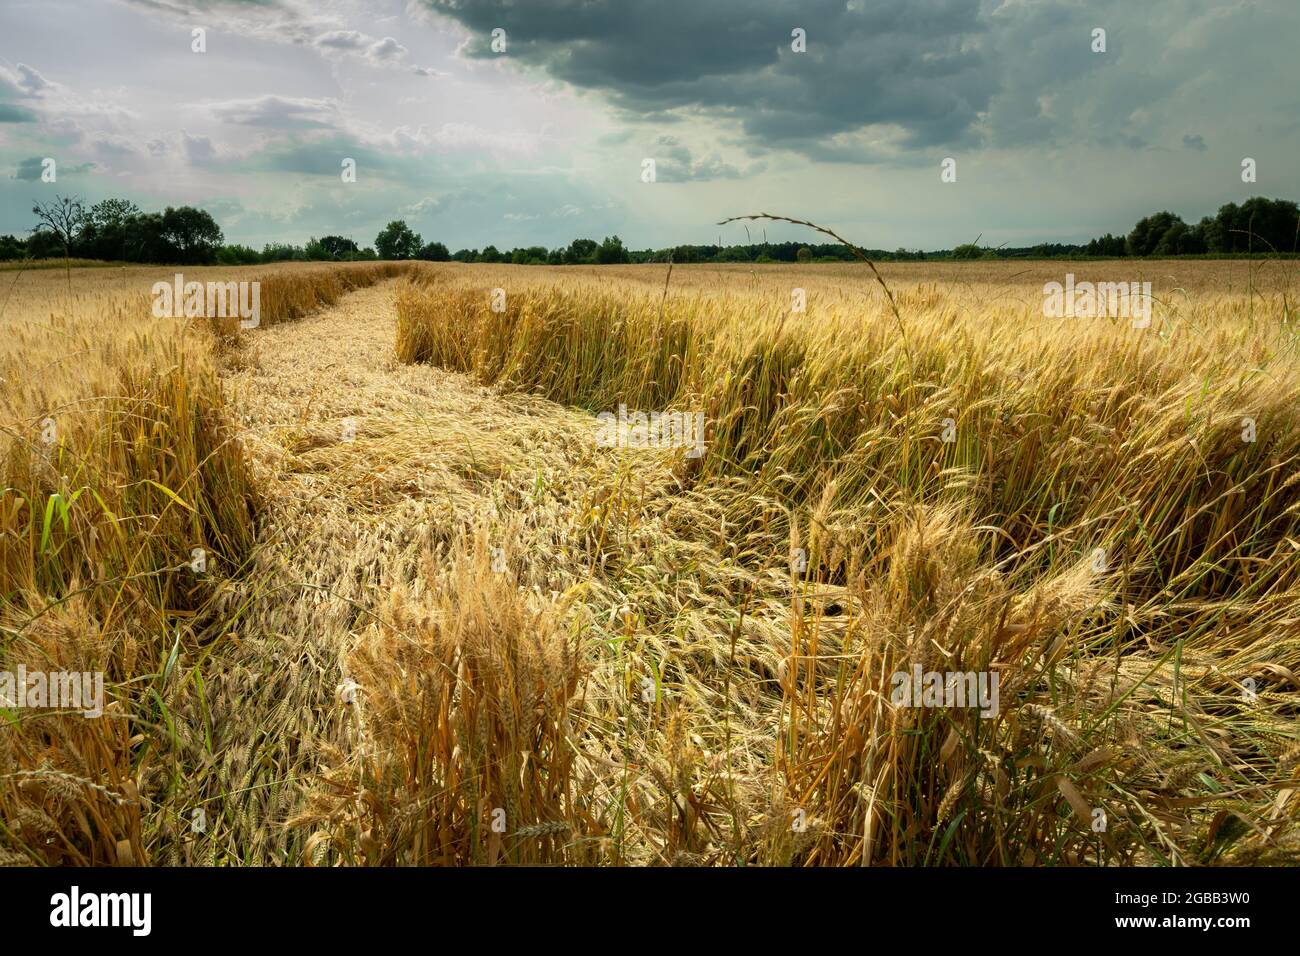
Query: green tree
(43, 245)
(335, 247)
(110, 231)
(1257, 225)
(11, 247)
(1148, 232)
(1107, 245)
(192, 234)
(282, 252)
(530, 256)
(1179, 239)
(237, 255)
(611, 251)
(581, 251)
(397, 241)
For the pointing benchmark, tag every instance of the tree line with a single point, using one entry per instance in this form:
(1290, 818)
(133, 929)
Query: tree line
(1258, 225)
(118, 230)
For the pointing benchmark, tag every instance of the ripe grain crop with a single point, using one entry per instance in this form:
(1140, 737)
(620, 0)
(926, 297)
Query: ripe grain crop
(441, 623)
(1112, 528)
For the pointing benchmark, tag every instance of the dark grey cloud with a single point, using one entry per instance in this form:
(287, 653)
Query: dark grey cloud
(10, 113)
(885, 79)
(674, 163)
(915, 64)
(29, 170)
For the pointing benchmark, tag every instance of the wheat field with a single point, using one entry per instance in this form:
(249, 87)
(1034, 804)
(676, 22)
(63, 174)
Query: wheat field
(440, 621)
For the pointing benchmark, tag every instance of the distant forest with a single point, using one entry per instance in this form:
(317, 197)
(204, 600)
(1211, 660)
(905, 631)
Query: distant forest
(117, 230)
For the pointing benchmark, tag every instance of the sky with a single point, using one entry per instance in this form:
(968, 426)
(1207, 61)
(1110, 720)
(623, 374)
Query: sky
(838, 111)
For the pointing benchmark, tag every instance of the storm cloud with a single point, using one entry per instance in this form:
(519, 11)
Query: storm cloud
(920, 65)
(883, 78)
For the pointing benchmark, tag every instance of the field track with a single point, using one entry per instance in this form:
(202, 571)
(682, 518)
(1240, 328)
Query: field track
(347, 521)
